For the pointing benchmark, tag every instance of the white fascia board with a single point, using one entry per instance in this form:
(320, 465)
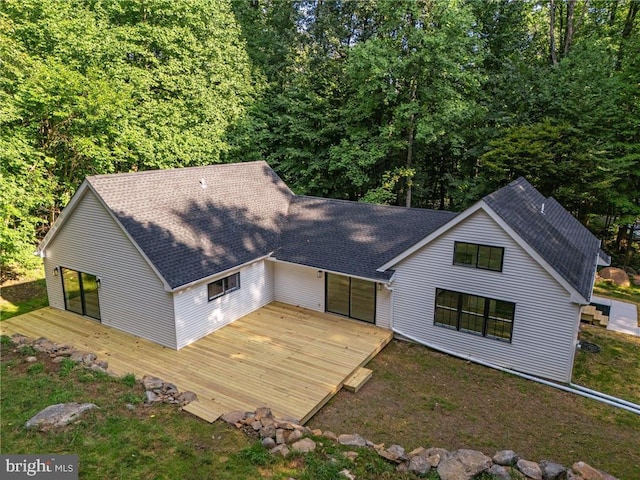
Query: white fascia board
(432, 236)
(575, 296)
(375, 280)
(219, 275)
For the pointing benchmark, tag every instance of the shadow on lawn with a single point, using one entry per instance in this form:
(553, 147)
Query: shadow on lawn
(19, 298)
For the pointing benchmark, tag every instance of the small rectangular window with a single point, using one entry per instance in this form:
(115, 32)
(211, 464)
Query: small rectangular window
(474, 255)
(223, 286)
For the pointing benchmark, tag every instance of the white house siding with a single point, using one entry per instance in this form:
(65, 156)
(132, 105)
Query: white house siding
(546, 322)
(196, 316)
(383, 308)
(299, 285)
(132, 297)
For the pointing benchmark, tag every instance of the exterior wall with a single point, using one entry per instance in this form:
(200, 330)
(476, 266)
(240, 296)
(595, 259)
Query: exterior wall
(546, 322)
(299, 285)
(132, 297)
(196, 316)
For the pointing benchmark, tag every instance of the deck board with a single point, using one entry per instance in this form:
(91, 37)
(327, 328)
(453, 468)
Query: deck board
(288, 358)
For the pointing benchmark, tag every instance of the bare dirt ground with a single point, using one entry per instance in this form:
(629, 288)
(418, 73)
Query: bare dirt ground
(418, 397)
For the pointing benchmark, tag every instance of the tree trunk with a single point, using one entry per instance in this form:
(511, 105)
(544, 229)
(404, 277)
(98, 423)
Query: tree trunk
(411, 133)
(568, 37)
(634, 7)
(552, 32)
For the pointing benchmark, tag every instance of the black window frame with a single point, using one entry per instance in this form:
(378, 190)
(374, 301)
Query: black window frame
(457, 312)
(225, 287)
(475, 257)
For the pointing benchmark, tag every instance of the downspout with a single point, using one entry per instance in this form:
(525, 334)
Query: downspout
(582, 391)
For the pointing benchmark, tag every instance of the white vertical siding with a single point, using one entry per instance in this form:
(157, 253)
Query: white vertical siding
(546, 321)
(196, 316)
(383, 308)
(299, 285)
(132, 297)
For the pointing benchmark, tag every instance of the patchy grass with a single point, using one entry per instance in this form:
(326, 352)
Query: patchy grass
(22, 296)
(147, 442)
(615, 369)
(419, 397)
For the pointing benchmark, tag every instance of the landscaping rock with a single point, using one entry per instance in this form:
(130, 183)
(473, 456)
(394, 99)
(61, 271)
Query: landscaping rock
(58, 415)
(151, 383)
(463, 465)
(529, 469)
(499, 472)
(351, 455)
(151, 397)
(506, 458)
(77, 356)
(268, 443)
(354, 440)
(267, 422)
(269, 431)
(616, 275)
(89, 358)
(304, 445)
(395, 453)
(589, 473)
(330, 435)
(97, 368)
(169, 389)
(31, 359)
(186, 397)
(280, 436)
(256, 425)
(58, 360)
(19, 339)
(552, 471)
(316, 432)
(444, 454)
(419, 465)
(263, 412)
(233, 417)
(281, 450)
(293, 436)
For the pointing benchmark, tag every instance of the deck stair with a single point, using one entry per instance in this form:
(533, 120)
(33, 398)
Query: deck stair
(358, 379)
(594, 316)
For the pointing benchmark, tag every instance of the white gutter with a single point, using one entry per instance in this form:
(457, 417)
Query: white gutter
(584, 392)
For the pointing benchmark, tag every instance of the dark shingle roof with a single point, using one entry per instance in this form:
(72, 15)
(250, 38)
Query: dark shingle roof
(195, 222)
(561, 240)
(351, 237)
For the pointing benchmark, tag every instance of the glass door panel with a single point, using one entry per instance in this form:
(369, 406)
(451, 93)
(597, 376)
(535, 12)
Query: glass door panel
(363, 300)
(90, 293)
(338, 294)
(72, 291)
(80, 293)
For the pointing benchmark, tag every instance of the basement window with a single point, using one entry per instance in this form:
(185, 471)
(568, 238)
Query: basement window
(223, 286)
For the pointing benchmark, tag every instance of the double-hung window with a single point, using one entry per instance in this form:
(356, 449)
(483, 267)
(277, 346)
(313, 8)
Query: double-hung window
(471, 313)
(223, 286)
(474, 255)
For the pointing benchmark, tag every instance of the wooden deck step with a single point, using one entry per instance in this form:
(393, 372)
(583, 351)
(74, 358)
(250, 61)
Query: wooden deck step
(205, 409)
(358, 379)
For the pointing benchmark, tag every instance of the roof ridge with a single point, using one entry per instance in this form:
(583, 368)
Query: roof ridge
(357, 202)
(173, 169)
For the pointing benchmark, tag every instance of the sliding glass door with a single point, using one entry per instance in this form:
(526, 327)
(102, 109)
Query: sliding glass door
(351, 297)
(81, 293)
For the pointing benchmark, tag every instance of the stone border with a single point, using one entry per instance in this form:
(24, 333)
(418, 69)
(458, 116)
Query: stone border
(283, 436)
(156, 390)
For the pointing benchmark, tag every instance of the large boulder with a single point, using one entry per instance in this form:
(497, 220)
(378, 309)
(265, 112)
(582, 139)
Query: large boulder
(615, 275)
(58, 415)
(463, 465)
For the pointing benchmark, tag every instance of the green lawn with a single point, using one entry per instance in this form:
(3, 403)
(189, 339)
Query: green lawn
(23, 297)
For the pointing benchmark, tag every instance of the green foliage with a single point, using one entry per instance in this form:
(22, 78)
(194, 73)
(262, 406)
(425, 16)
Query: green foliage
(5, 341)
(66, 367)
(256, 454)
(35, 368)
(129, 379)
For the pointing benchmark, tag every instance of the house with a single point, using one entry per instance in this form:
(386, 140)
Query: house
(173, 255)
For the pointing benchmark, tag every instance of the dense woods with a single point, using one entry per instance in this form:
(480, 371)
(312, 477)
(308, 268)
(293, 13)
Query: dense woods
(424, 103)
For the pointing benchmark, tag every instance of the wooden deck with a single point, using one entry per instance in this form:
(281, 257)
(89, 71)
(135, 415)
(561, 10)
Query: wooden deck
(290, 359)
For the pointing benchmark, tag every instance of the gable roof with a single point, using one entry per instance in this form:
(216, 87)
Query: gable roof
(192, 223)
(352, 237)
(556, 235)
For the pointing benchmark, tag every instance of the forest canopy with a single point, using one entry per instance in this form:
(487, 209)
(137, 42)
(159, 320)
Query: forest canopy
(424, 103)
